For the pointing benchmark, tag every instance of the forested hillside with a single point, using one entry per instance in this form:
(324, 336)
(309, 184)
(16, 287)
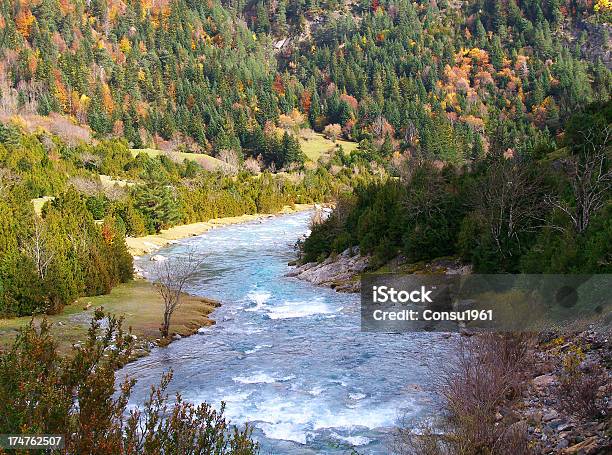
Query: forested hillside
(437, 94)
(451, 79)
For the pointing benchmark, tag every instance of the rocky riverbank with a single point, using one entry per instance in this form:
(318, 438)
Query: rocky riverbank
(567, 405)
(340, 271)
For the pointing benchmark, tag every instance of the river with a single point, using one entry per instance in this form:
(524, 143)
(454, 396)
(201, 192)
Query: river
(287, 356)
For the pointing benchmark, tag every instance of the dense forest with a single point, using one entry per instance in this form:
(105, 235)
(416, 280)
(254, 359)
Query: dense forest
(536, 213)
(446, 99)
(450, 79)
(75, 245)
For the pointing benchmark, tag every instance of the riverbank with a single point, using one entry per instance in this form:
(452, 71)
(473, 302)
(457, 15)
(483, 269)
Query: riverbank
(139, 246)
(138, 301)
(343, 271)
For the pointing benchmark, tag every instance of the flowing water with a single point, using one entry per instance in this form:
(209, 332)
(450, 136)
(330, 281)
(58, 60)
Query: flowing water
(288, 356)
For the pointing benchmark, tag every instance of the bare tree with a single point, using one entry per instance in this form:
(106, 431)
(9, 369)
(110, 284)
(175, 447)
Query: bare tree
(590, 177)
(36, 248)
(508, 199)
(230, 161)
(171, 277)
(7, 179)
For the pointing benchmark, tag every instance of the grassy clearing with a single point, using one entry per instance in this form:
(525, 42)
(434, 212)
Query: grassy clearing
(313, 147)
(317, 144)
(206, 161)
(137, 301)
(107, 181)
(39, 202)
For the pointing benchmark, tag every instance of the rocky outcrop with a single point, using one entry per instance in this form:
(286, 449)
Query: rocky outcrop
(340, 272)
(557, 422)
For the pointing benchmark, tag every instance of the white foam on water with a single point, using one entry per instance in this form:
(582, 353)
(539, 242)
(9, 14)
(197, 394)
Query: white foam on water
(262, 378)
(259, 298)
(299, 309)
(357, 396)
(285, 431)
(316, 391)
(237, 397)
(384, 416)
(297, 420)
(258, 347)
(352, 440)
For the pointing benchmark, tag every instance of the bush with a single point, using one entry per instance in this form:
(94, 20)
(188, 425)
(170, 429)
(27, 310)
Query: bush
(76, 396)
(487, 375)
(579, 385)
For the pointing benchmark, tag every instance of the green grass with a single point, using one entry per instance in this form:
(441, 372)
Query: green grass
(206, 161)
(137, 301)
(39, 202)
(313, 148)
(317, 145)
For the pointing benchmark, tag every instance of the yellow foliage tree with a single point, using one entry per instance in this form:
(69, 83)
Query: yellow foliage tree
(24, 21)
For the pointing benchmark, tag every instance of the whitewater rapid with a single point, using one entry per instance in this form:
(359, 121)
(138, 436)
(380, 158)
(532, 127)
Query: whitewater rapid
(287, 356)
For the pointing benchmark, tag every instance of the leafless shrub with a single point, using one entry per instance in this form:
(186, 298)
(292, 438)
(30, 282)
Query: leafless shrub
(332, 132)
(253, 165)
(47, 141)
(114, 192)
(406, 440)
(85, 185)
(377, 169)
(487, 375)
(509, 198)
(295, 177)
(580, 385)
(591, 180)
(335, 169)
(90, 160)
(36, 247)
(307, 134)
(230, 160)
(7, 179)
(171, 278)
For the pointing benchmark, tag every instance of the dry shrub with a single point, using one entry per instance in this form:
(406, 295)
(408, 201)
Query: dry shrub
(230, 161)
(307, 134)
(7, 179)
(332, 132)
(580, 384)
(253, 165)
(335, 169)
(409, 441)
(114, 192)
(487, 376)
(86, 185)
(489, 372)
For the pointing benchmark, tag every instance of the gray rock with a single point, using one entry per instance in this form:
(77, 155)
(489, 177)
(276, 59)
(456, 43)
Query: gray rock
(544, 380)
(335, 271)
(550, 415)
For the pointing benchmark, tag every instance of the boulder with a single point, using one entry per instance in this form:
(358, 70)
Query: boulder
(544, 380)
